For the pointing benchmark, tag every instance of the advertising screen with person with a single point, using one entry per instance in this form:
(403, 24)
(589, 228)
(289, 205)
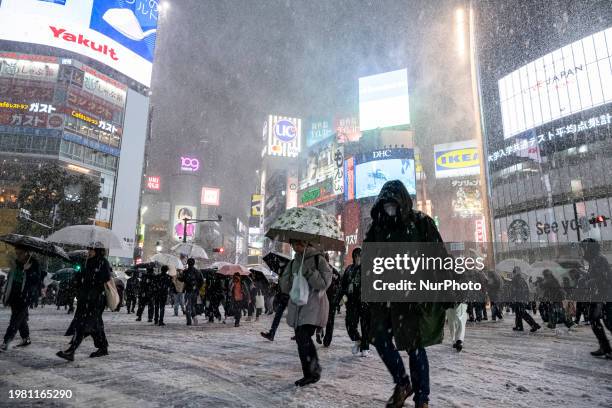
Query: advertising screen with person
(374, 169)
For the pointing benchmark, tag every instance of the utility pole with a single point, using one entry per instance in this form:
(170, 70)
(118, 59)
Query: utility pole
(187, 221)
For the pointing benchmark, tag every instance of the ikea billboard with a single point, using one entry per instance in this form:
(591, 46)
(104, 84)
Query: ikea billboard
(118, 33)
(456, 159)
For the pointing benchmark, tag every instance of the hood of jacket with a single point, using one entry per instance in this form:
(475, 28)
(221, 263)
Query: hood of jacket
(393, 191)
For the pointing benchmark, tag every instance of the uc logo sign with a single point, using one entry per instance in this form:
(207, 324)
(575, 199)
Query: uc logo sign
(285, 130)
(189, 164)
(457, 159)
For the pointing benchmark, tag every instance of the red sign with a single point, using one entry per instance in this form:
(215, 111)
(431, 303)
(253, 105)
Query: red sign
(480, 230)
(210, 196)
(347, 129)
(349, 179)
(153, 183)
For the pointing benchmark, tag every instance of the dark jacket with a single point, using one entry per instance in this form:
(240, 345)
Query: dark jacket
(351, 284)
(192, 278)
(147, 286)
(519, 289)
(91, 300)
(412, 324)
(599, 279)
(133, 287)
(494, 286)
(552, 291)
(29, 289)
(163, 282)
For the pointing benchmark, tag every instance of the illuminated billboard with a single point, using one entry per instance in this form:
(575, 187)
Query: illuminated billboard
(284, 136)
(153, 183)
(383, 100)
(318, 130)
(456, 159)
(566, 81)
(374, 169)
(210, 196)
(117, 33)
(178, 226)
(324, 162)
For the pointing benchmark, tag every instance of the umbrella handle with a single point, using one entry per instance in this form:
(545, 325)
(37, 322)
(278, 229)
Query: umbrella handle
(27, 263)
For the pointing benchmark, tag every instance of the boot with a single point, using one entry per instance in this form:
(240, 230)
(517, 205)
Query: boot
(99, 353)
(400, 395)
(66, 355)
(535, 328)
(599, 353)
(139, 319)
(267, 335)
(307, 380)
(24, 342)
(356, 347)
(4, 347)
(458, 345)
(319, 338)
(517, 328)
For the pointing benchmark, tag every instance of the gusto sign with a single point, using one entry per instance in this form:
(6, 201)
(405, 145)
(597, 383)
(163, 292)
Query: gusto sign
(189, 164)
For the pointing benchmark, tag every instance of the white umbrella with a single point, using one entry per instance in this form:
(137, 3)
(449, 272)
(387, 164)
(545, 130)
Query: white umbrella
(190, 250)
(537, 267)
(87, 236)
(505, 267)
(265, 271)
(167, 259)
(308, 224)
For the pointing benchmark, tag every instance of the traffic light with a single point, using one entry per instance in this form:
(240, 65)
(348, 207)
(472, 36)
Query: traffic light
(598, 220)
(77, 267)
(219, 250)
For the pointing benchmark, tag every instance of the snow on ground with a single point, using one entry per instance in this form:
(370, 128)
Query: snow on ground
(217, 365)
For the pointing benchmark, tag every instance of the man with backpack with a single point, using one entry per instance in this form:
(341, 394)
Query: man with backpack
(193, 280)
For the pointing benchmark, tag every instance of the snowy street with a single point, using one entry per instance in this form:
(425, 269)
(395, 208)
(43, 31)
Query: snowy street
(217, 365)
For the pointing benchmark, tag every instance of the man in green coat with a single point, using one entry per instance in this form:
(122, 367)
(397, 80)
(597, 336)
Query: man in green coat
(413, 326)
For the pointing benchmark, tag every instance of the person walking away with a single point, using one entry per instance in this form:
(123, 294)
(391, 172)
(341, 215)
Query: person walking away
(356, 311)
(91, 302)
(457, 318)
(520, 295)
(163, 283)
(332, 294)
(494, 289)
(177, 290)
(578, 281)
(552, 297)
(599, 284)
(414, 326)
(147, 295)
(280, 304)
(131, 292)
(306, 318)
(238, 295)
(192, 278)
(22, 286)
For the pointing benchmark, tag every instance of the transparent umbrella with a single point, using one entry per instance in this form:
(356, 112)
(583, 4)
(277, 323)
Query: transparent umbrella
(167, 259)
(87, 236)
(190, 250)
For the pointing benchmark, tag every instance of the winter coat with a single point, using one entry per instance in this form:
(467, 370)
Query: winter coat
(316, 310)
(163, 282)
(192, 278)
(132, 288)
(351, 284)
(147, 286)
(411, 324)
(552, 291)
(29, 290)
(494, 286)
(519, 289)
(244, 288)
(91, 300)
(599, 278)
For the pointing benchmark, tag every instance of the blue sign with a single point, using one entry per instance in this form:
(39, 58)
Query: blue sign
(319, 130)
(20, 130)
(83, 141)
(60, 2)
(132, 23)
(285, 130)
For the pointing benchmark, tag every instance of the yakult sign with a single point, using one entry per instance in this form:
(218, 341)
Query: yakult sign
(118, 33)
(189, 164)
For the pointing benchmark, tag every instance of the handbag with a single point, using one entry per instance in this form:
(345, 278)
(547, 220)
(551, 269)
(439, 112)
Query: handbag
(299, 289)
(112, 296)
(259, 302)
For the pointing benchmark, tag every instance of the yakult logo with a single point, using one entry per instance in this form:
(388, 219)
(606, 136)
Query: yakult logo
(190, 164)
(285, 130)
(85, 42)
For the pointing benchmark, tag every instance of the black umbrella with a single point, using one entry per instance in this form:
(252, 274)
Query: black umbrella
(34, 244)
(80, 255)
(276, 261)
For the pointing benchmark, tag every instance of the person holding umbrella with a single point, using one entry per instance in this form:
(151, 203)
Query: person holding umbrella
(91, 302)
(305, 318)
(162, 283)
(22, 287)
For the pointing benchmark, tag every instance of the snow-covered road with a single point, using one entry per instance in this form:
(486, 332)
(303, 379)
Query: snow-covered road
(217, 365)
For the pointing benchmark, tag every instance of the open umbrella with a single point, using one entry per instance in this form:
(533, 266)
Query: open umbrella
(63, 274)
(308, 224)
(167, 259)
(80, 255)
(87, 236)
(504, 268)
(34, 244)
(537, 267)
(264, 272)
(190, 250)
(228, 269)
(276, 261)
